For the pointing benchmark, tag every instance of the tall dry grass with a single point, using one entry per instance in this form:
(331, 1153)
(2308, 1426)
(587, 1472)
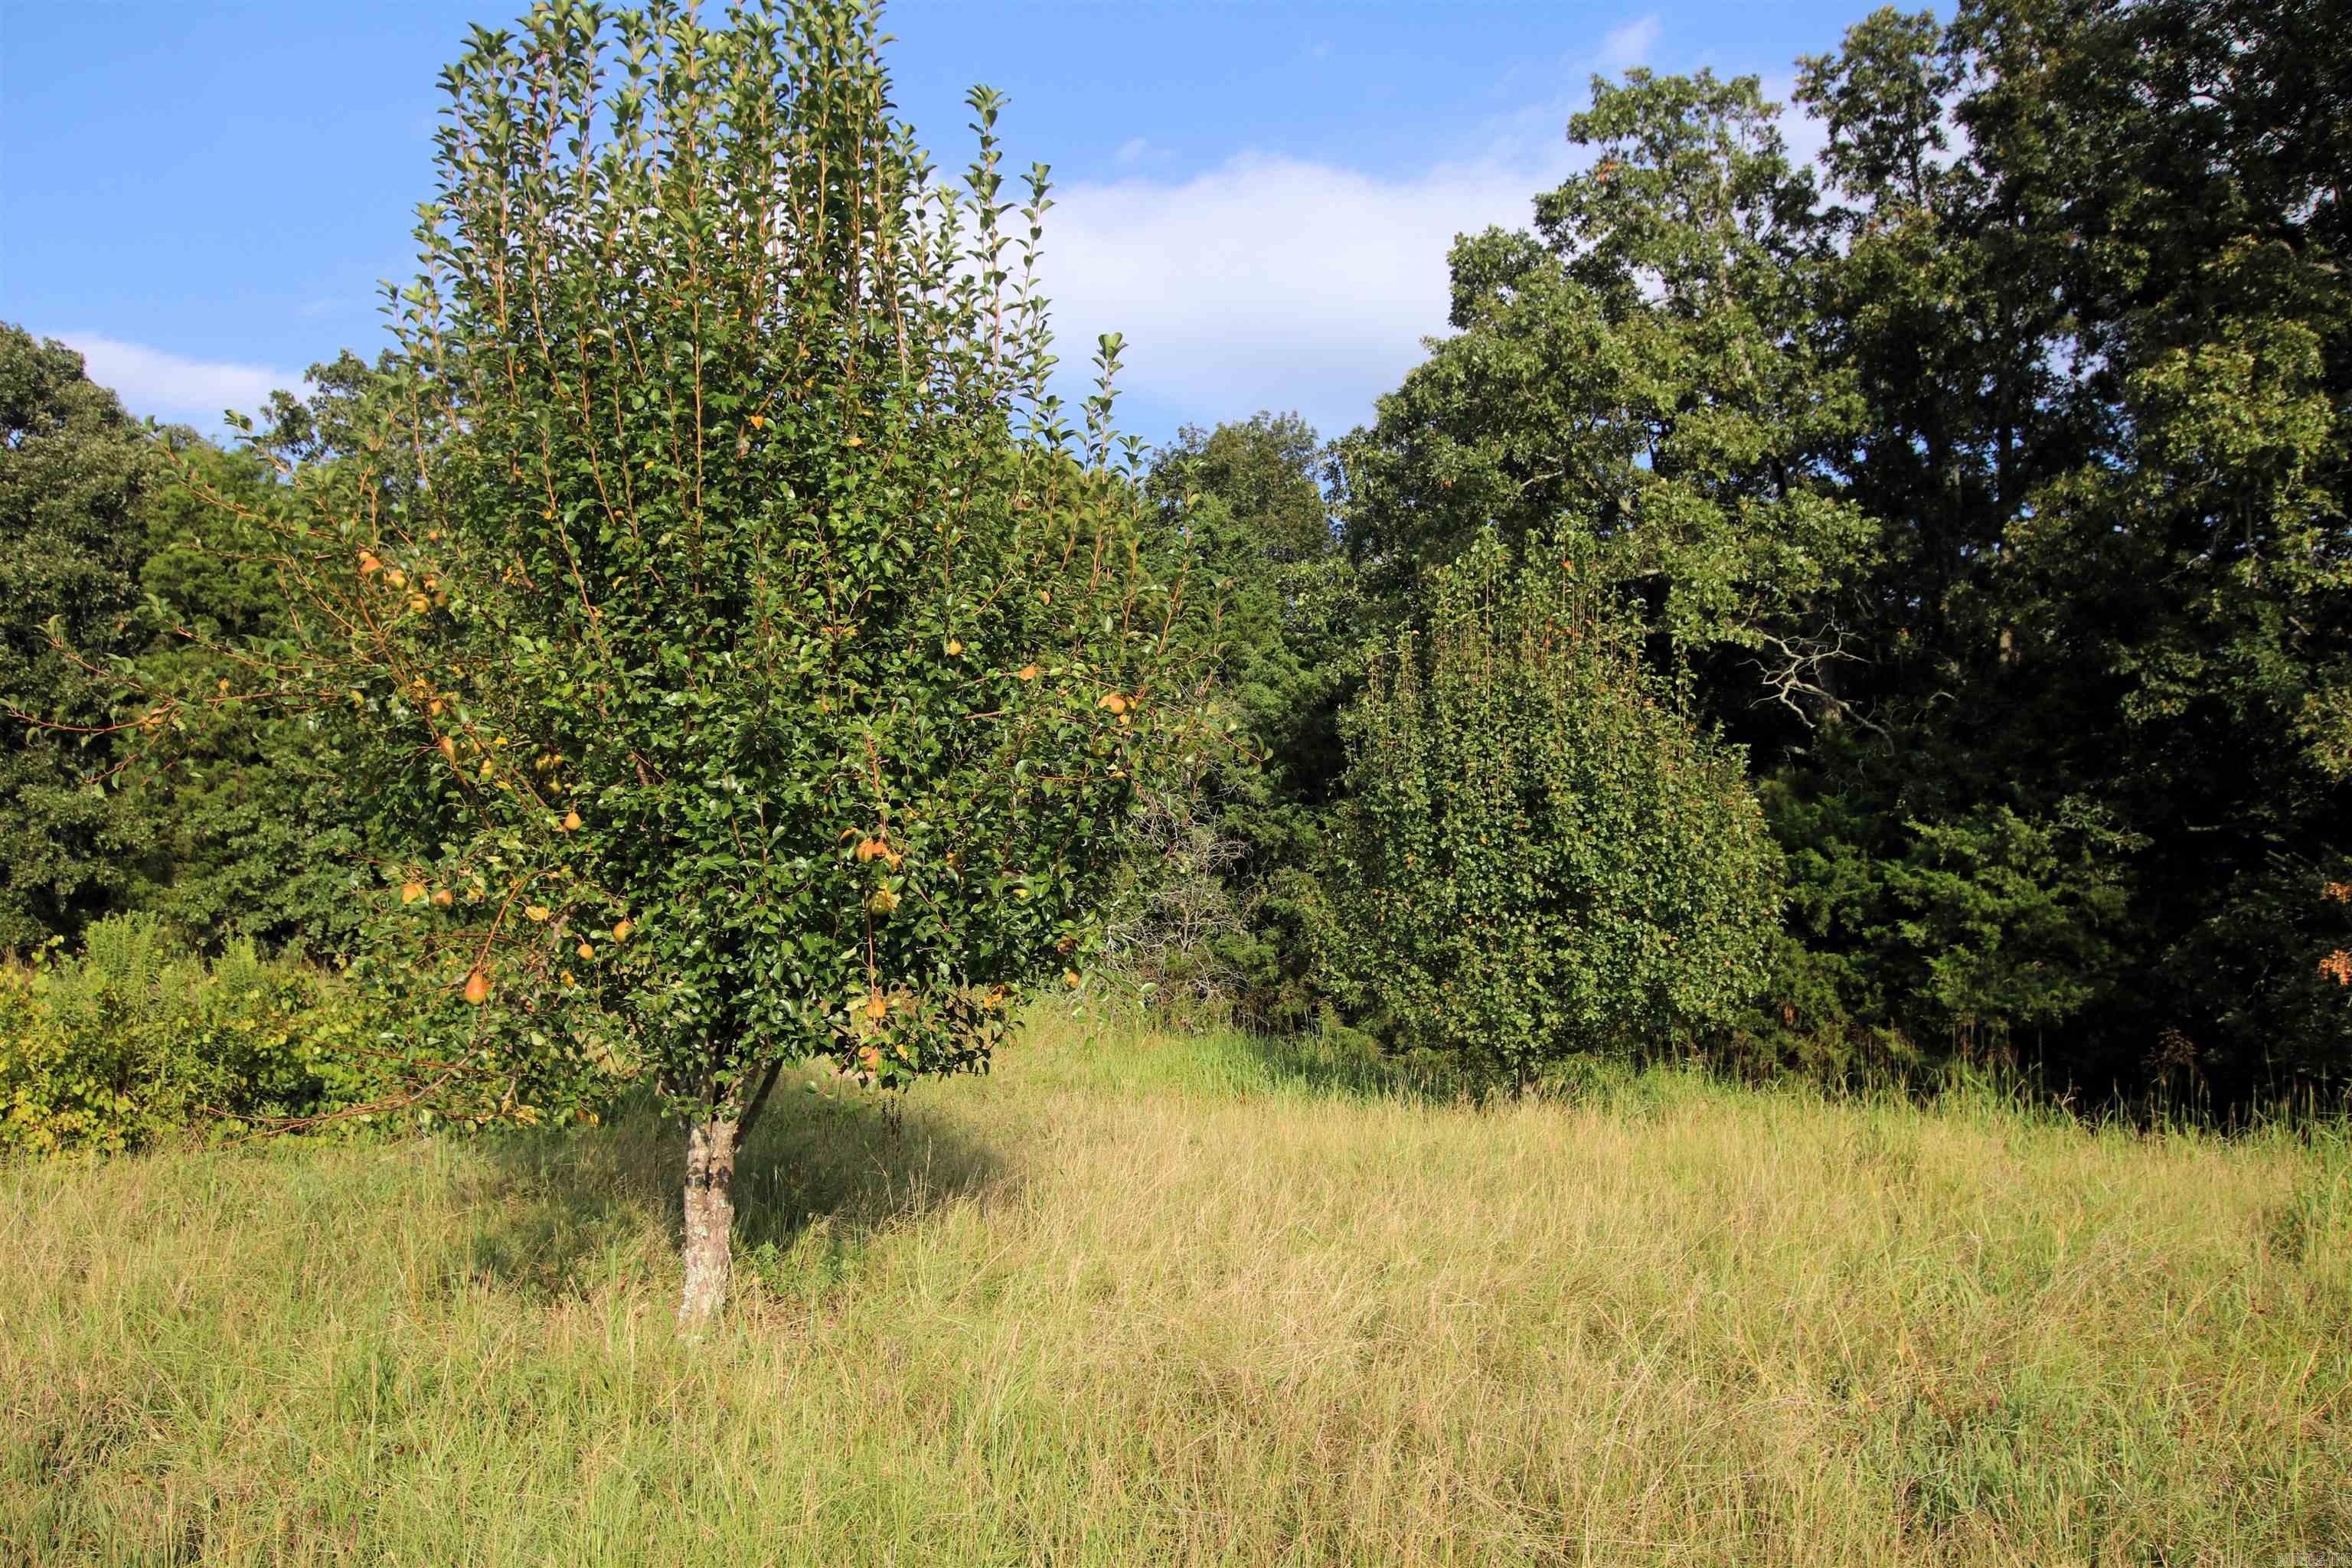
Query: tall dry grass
(1157, 1300)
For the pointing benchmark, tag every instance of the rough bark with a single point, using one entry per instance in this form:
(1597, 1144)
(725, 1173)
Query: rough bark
(710, 1147)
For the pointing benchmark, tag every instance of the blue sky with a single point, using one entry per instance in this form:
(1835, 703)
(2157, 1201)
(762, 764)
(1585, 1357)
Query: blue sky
(202, 193)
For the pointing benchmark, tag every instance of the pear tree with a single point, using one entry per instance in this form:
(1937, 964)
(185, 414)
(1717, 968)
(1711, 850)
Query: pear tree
(762, 660)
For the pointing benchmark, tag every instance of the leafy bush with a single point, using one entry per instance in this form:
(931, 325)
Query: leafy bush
(1175, 935)
(1949, 936)
(137, 1040)
(1542, 854)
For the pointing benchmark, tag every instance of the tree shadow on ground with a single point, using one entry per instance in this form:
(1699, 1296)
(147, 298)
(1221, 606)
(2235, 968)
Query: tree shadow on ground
(1342, 1069)
(1346, 1065)
(565, 1213)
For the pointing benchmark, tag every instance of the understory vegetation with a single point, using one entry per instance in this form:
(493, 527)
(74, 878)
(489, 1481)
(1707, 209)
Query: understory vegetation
(134, 1041)
(1201, 1299)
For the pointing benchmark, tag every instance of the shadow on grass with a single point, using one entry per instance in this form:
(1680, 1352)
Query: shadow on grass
(1352, 1067)
(563, 1214)
(1321, 1065)
(1345, 1067)
(1345, 1064)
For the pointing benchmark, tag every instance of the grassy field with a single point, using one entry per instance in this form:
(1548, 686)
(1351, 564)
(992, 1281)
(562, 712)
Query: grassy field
(1159, 1300)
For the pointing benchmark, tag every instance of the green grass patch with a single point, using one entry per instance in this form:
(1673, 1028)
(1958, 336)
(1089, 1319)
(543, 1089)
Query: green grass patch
(1139, 1298)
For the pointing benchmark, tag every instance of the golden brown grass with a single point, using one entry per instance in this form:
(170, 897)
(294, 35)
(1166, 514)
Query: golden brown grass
(1156, 1301)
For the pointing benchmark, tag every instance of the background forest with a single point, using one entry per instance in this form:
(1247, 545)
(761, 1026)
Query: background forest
(1965, 514)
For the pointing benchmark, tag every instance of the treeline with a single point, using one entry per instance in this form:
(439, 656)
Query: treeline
(1947, 539)
(1986, 481)
(122, 577)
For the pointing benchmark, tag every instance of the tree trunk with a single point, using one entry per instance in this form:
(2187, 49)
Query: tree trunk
(709, 1218)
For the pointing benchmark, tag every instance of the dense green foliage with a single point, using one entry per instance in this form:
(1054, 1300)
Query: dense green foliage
(117, 585)
(134, 1041)
(1229, 870)
(1539, 855)
(2105, 353)
(1992, 487)
(1641, 368)
(73, 474)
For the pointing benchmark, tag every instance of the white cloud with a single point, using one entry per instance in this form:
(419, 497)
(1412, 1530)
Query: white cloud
(1629, 46)
(1130, 152)
(1272, 282)
(1277, 282)
(1807, 137)
(173, 388)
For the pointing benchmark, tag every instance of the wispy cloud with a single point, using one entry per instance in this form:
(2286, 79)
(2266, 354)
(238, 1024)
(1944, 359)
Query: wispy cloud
(1277, 282)
(172, 387)
(1629, 46)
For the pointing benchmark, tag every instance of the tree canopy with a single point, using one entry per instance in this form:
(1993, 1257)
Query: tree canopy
(752, 662)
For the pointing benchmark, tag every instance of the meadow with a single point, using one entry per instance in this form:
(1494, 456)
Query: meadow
(1140, 1298)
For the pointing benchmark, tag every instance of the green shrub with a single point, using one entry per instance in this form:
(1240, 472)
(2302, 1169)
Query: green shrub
(137, 1040)
(1915, 941)
(1542, 855)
